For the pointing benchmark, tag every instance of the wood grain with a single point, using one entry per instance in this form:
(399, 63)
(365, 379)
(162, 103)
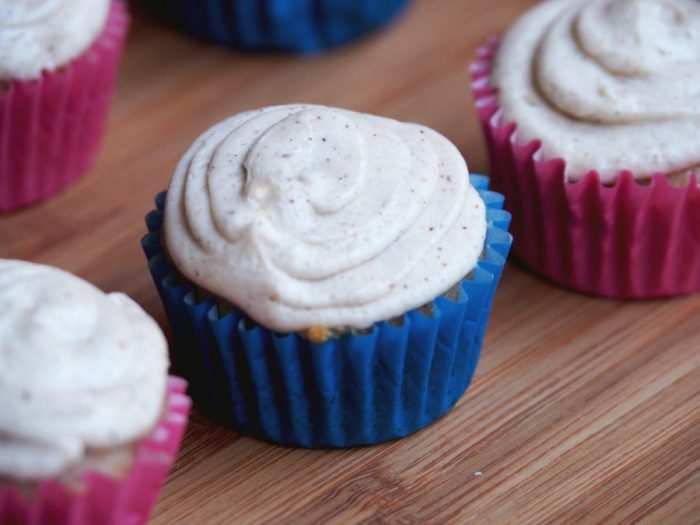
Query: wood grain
(582, 410)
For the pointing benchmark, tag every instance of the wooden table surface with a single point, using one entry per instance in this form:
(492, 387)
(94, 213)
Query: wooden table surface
(582, 410)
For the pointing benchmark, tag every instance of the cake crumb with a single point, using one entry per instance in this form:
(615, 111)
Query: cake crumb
(317, 334)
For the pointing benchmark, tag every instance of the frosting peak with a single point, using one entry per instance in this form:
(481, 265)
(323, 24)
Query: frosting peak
(619, 79)
(37, 35)
(311, 216)
(79, 369)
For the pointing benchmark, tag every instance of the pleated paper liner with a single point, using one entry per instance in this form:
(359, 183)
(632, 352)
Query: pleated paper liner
(358, 389)
(103, 499)
(291, 25)
(625, 241)
(51, 127)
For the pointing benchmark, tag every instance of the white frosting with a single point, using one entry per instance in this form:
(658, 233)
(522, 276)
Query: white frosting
(39, 35)
(307, 216)
(606, 84)
(79, 370)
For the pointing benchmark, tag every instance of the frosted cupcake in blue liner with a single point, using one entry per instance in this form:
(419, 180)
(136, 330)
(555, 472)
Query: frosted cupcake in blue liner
(287, 25)
(328, 275)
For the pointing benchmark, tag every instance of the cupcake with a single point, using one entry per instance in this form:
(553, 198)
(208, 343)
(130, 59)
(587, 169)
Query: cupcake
(293, 25)
(591, 111)
(90, 421)
(328, 275)
(58, 61)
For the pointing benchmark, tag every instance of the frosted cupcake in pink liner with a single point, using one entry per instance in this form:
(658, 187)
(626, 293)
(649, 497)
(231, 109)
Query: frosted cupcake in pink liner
(90, 422)
(58, 63)
(591, 111)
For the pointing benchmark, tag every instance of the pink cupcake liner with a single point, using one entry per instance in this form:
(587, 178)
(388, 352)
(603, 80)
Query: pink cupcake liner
(626, 241)
(104, 499)
(51, 127)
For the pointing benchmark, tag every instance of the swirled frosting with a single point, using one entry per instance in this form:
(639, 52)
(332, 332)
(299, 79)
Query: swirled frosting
(79, 370)
(308, 216)
(606, 84)
(38, 35)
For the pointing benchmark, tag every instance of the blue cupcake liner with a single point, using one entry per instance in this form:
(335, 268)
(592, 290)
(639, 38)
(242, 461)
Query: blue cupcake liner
(283, 25)
(357, 389)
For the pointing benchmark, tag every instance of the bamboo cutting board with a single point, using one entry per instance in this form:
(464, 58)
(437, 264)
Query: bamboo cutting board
(582, 410)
